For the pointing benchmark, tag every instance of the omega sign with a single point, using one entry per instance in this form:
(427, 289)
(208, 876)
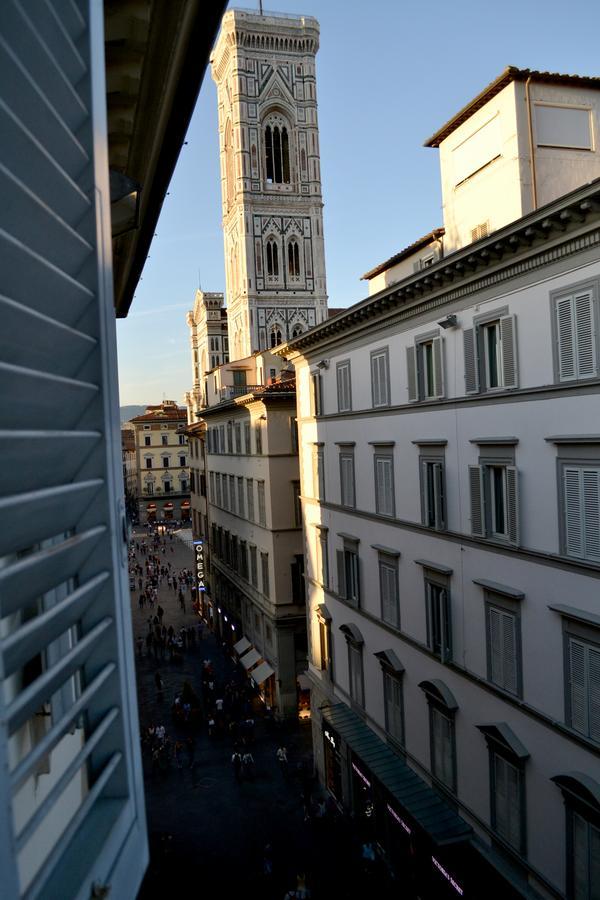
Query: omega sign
(199, 550)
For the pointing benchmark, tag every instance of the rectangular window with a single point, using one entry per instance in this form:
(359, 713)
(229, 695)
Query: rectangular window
(316, 402)
(439, 622)
(433, 493)
(355, 673)
(182, 460)
(581, 505)
(384, 484)
(148, 463)
(507, 800)
(584, 861)
(394, 717)
(232, 498)
(147, 440)
(240, 495)
(294, 433)
(238, 437)
(297, 504)
(344, 386)
(380, 378)
(167, 487)
(583, 694)
(490, 351)
(225, 487)
(425, 368)
(211, 479)
(165, 462)
(388, 588)
(258, 438)
(495, 501)
(218, 493)
(247, 441)
(262, 515)
(264, 565)
(253, 566)
(347, 492)
(164, 439)
(563, 126)
(442, 747)
(322, 572)
(503, 643)
(182, 438)
(230, 437)
(221, 439)
(348, 572)
(250, 498)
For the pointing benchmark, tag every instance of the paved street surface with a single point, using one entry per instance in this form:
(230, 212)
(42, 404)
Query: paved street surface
(208, 831)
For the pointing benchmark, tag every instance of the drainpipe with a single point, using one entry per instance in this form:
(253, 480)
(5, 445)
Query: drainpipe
(531, 150)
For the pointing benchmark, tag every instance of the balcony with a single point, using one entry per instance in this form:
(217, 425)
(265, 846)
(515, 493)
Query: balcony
(230, 391)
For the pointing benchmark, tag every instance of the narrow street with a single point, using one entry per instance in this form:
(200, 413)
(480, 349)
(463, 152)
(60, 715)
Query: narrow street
(207, 830)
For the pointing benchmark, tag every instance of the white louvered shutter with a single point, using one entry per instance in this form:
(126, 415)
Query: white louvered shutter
(573, 505)
(389, 594)
(384, 485)
(438, 367)
(71, 798)
(411, 373)
(471, 361)
(476, 494)
(440, 511)
(584, 334)
(591, 510)
(512, 503)
(495, 646)
(565, 333)
(508, 332)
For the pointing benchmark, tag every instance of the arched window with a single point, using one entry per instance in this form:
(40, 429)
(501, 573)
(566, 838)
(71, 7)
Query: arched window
(277, 151)
(293, 260)
(272, 259)
(275, 335)
(297, 331)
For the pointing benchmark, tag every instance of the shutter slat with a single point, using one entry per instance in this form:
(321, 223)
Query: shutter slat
(51, 401)
(438, 367)
(594, 693)
(591, 510)
(471, 366)
(28, 701)
(584, 330)
(572, 483)
(59, 34)
(42, 514)
(565, 339)
(476, 493)
(23, 644)
(53, 458)
(75, 764)
(36, 574)
(48, 345)
(45, 177)
(28, 220)
(411, 373)
(512, 503)
(508, 332)
(29, 763)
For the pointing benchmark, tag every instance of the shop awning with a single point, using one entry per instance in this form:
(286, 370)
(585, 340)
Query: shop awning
(168, 506)
(185, 504)
(151, 506)
(261, 673)
(428, 809)
(250, 658)
(242, 645)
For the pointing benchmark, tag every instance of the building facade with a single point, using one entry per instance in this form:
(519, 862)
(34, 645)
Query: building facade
(264, 68)
(162, 463)
(450, 477)
(209, 341)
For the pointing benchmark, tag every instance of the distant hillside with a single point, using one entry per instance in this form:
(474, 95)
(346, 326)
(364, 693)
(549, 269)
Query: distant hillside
(129, 412)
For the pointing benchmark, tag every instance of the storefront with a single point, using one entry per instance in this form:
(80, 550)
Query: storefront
(263, 679)
(420, 836)
(168, 510)
(151, 512)
(185, 511)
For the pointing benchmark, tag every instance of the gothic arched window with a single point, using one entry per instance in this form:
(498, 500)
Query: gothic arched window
(275, 335)
(272, 259)
(297, 331)
(277, 151)
(293, 259)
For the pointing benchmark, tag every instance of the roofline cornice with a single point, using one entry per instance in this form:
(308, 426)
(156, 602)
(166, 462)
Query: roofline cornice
(562, 216)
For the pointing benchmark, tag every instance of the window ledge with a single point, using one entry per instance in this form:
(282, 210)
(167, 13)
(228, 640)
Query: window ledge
(573, 439)
(435, 567)
(579, 615)
(387, 550)
(382, 443)
(497, 588)
(495, 441)
(431, 442)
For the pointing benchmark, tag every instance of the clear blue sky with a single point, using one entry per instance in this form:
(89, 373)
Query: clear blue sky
(389, 73)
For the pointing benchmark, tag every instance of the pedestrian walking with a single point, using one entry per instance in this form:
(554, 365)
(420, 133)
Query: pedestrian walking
(282, 759)
(236, 762)
(160, 611)
(159, 686)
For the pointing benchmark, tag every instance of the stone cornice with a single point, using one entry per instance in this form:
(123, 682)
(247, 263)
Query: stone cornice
(544, 236)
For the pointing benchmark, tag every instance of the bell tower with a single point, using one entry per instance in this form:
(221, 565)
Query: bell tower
(264, 68)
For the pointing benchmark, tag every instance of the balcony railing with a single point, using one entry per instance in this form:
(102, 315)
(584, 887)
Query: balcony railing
(238, 390)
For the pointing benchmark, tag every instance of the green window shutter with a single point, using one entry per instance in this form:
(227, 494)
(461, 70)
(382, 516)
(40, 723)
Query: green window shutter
(471, 361)
(573, 511)
(508, 332)
(476, 493)
(438, 367)
(584, 335)
(411, 373)
(578, 686)
(512, 503)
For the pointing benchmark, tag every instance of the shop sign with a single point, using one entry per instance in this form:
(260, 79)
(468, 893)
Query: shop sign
(199, 551)
(331, 739)
(361, 776)
(397, 818)
(445, 874)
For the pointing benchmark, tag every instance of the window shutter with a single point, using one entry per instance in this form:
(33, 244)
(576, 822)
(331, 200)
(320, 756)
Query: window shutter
(389, 594)
(573, 511)
(64, 554)
(565, 339)
(411, 373)
(508, 332)
(495, 646)
(594, 692)
(512, 503)
(577, 686)
(500, 795)
(591, 510)
(440, 514)
(581, 872)
(509, 653)
(375, 381)
(476, 491)
(584, 329)
(341, 572)
(447, 752)
(438, 367)
(471, 361)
